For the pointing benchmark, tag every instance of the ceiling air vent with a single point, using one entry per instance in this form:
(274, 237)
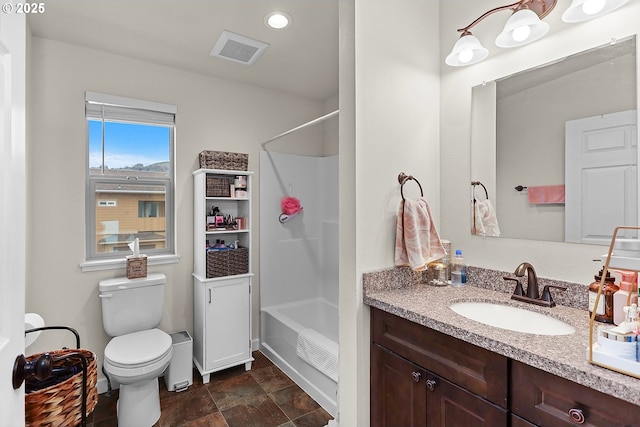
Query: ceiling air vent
(235, 47)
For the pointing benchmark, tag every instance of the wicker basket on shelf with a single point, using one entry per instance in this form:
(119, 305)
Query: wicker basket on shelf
(224, 160)
(218, 187)
(228, 262)
(61, 404)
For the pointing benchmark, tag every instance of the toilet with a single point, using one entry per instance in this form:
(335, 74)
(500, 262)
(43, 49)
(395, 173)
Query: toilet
(138, 353)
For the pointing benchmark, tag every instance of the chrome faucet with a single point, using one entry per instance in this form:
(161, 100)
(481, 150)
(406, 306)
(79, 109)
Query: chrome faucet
(532, 279)
(532, 294)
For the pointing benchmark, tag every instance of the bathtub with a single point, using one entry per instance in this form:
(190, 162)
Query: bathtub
(279, 327)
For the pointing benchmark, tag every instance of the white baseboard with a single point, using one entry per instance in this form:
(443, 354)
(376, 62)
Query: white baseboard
(102, 385)
(255, 344)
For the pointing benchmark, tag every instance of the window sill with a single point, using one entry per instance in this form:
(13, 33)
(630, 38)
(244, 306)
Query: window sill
(113, 264)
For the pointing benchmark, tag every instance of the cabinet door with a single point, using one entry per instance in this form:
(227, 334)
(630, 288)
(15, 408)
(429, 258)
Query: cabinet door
(227, 322)
(398, 392)
(451, 406)
(547, 400)
(473, 368)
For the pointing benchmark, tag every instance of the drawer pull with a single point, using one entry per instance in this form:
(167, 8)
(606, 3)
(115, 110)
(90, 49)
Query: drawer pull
(431, 384)
(416, 376)
(576, 415)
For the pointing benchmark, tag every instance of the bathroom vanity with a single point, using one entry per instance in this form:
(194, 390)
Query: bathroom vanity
(433, 367)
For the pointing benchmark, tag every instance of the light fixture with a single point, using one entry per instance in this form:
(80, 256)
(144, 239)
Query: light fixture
(466, 51)
(582, 10)
(524, 26)
(277, 20)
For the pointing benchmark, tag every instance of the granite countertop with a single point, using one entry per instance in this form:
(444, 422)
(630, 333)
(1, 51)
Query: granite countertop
(562, 355)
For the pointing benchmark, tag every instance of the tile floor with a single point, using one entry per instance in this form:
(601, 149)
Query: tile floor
(261, 397)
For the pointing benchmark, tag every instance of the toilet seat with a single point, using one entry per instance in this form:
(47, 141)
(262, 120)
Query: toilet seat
(138, 349)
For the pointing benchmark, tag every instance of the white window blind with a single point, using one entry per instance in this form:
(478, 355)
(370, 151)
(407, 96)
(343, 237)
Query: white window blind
(109, 107)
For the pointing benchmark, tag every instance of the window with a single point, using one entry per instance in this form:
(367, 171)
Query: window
(130, 176)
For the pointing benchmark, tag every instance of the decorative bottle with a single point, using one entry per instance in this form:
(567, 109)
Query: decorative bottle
(604, 310)
(626, 295)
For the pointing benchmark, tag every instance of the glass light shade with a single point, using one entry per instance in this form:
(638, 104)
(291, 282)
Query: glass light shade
(277, 20)
(521, 28)
(466, 51)
(582, 10)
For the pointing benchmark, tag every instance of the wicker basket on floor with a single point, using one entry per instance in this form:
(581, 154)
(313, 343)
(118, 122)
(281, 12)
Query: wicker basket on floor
(61, 404)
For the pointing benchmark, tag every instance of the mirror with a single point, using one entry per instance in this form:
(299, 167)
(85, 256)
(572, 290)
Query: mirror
(555, 149)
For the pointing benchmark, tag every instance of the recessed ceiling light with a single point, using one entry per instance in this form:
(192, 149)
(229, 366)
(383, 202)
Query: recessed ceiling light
(277, 20)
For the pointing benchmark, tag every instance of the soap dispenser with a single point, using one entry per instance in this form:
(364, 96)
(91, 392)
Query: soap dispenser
(604, 311)
(625, 296)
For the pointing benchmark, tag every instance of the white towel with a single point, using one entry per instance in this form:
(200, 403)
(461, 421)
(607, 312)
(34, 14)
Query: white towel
(318, 351)
(485, 220)
(417, 240)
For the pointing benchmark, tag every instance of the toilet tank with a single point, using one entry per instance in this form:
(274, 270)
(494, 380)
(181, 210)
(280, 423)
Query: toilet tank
(131, 305)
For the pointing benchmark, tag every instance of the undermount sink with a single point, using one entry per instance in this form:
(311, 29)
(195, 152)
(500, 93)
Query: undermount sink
(512, 318)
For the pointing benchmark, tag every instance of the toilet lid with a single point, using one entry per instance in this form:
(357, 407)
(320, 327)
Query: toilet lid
(138, 348)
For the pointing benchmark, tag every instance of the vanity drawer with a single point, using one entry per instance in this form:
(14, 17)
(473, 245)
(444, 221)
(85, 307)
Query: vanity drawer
(546, 400)
(468, 366)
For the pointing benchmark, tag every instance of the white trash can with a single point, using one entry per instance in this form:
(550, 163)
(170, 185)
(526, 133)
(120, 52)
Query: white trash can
(179, 373)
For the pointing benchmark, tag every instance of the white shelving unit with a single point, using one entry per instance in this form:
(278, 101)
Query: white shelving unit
(221, 304)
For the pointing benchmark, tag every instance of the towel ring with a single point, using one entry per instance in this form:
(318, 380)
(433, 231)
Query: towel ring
(474, 183)
(403, 178)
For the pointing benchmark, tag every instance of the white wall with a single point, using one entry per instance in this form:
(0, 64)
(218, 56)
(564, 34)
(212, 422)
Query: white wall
(554, 260)
(393, 100)
(212, 114)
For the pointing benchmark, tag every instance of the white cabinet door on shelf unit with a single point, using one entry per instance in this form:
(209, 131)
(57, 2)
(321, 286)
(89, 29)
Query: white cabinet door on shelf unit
(222, 324)
(228, 341)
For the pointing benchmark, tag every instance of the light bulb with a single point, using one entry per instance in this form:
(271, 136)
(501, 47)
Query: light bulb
(591, 7)
(465, 56)
(521, 33)
(277, 20)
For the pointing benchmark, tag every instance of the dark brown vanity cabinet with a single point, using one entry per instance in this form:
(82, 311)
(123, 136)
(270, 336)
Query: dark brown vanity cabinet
(401, 394)
(421, 377)
(548, 400)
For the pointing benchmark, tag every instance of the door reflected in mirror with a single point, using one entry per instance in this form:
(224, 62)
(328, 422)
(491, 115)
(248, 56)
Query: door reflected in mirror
(556, 148)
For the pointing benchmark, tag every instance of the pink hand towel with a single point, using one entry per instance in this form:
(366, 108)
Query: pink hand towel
(417, 240)
(545, 194)
(485, 220)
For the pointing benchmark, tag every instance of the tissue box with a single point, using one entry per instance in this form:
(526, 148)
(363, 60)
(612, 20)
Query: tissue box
(136, 267)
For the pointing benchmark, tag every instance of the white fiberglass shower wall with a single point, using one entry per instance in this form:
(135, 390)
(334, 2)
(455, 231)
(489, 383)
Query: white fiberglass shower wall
(299, 271)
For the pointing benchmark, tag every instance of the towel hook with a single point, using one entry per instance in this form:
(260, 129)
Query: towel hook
(403, 178)
(474, 183)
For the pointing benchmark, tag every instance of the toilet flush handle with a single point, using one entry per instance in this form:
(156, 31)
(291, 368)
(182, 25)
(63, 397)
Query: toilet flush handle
(105, 295)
